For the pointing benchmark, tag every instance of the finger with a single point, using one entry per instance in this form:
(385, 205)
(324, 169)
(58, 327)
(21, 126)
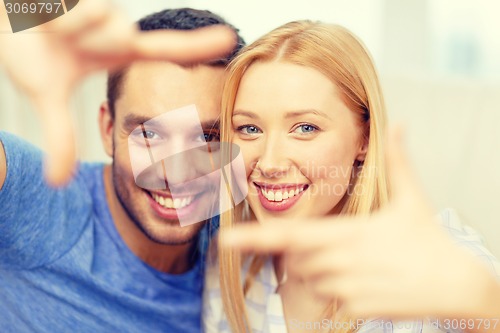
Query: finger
(397, 163)
(60, 141)
(185, 46)
(257, 238)
(403, 178)
(328, 285)
(4, 21)
(379, 307)
(292, 237)
(86, 15)
(320, 262)
(304, 267)
(112, 37)
(296, 262)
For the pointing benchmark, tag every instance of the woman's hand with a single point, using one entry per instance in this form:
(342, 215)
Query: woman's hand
(398, 262)
(47, 62)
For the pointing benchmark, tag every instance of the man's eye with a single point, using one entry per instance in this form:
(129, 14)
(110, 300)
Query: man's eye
(211, 136)
(141, 135)
(150, 135)
(249, 129)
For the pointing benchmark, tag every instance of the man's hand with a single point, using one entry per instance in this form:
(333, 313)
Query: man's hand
(397, 262)
(47, 62)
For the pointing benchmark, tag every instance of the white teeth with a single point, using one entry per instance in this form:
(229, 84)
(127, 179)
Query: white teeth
(270, 195)
(169, 203)
(188, 201)
(279, 195)
(177, 203)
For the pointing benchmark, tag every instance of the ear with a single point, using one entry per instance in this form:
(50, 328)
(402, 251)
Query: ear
(362, 151)
(106, 123)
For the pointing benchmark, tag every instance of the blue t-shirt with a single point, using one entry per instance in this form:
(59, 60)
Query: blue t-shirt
(64, 267)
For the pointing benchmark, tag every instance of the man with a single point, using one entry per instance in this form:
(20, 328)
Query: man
(101, 255)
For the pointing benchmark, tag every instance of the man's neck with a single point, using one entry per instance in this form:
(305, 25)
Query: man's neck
(172, 259)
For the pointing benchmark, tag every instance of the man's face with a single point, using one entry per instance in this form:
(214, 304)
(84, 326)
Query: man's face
(150, 90)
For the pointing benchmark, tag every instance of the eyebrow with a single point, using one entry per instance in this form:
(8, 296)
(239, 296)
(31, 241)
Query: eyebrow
(212, 124)
(290, 114)
(298, 113)
(244, 113)
(134, 120)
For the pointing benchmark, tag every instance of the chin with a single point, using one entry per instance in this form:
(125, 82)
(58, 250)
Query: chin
(173, 234)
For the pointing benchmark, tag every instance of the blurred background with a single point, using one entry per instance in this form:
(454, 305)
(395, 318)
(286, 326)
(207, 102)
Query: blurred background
(439, 63)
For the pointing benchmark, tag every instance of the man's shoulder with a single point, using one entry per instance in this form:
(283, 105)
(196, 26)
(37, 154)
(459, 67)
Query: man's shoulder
(90, 178)
(90, 171)
(14, 144)
(24, 169)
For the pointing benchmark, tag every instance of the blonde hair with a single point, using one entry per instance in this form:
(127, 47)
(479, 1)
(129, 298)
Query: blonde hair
(339, 55)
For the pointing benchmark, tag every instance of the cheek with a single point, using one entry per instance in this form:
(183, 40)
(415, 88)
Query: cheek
(133, 157)
(250, 155)
(329, 170)
(329, 167)
(128, 161)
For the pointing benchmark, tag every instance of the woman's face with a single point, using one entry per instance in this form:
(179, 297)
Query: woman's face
(298, 138)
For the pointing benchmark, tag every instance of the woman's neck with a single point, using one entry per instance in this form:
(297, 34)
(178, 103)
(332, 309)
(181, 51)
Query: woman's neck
(300, 306)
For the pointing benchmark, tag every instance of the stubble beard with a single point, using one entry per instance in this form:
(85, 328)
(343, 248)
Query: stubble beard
(131, 208)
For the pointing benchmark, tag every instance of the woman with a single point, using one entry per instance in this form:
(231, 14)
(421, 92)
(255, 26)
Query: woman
(304, 105)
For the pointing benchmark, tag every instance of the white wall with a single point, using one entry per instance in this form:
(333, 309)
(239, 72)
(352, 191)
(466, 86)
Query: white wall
(452, 136)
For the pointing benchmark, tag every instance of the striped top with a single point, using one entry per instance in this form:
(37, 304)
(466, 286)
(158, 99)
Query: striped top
(265, 310)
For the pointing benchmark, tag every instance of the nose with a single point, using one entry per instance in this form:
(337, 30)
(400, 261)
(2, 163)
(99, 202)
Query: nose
(176, 169)
(182, 163)
(273, 161)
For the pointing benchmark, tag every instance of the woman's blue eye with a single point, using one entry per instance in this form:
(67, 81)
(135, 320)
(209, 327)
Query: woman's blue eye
(248, 129)
(305, 128)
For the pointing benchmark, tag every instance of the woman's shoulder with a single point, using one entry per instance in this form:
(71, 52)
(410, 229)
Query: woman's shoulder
(468, 238)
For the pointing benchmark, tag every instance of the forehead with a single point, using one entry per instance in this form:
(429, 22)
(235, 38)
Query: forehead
(151, 89)
(283, 85)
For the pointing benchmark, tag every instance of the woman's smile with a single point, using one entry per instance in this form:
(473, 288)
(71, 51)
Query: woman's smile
(279, 197)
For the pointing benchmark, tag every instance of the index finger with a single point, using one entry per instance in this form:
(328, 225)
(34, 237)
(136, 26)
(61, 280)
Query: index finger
(257, 238)
(185, 46)
(293, 237)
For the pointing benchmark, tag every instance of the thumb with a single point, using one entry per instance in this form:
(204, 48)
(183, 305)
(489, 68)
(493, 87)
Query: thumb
(403, 180)
(59, 136)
